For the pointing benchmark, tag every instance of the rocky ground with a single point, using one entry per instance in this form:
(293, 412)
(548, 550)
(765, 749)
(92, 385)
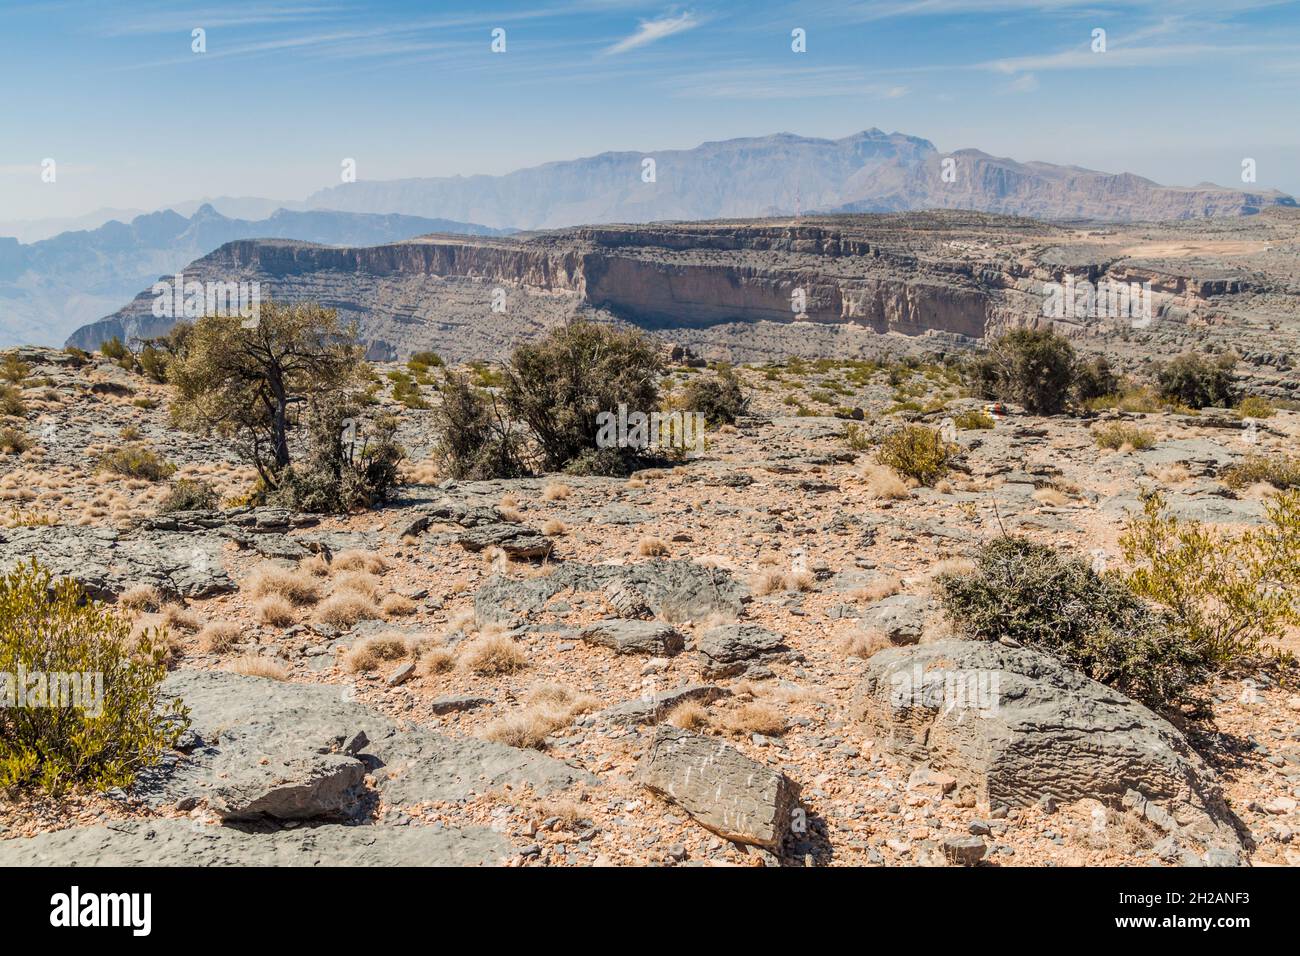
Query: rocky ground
(687, 667)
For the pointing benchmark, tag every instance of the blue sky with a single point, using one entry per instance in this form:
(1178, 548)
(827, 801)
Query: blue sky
(286, 90)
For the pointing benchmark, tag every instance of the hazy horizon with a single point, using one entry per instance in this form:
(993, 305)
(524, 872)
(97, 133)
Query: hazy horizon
(283, 92)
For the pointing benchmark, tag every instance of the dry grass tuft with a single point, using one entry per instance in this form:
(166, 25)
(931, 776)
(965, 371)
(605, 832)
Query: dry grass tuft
(142, 597)
(435, 660)
(493, 653)
(397, 605)
(315, 565)
(180, 619)
(756, 718)
(689, 715)
(357, 560)
(1050, 496)
(275, 610)
(554, 527)
(368, 653)
(652, 547)
(884, 484)
(877, 590)
(219, 637)
(863, 644)
(347, 608)
(358, 582)
(255, 665)
(547, 708)
(294, 586)
(556, 491)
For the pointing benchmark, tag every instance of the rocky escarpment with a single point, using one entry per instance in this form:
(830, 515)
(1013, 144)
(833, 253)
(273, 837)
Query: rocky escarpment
(760, 289)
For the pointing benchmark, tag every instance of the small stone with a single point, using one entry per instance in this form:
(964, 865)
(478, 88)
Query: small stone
(965, 851)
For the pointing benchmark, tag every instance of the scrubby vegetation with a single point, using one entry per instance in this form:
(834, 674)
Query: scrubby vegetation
(1280, 471)
(721, 397)
(244, 382)
(546, 412)
(1227, 594)
(1120, 436)
(1196, 382)
(117, 724)
(1032, 367)
(1053, 602)
(189, 494)
(136, 461)
(917, 452)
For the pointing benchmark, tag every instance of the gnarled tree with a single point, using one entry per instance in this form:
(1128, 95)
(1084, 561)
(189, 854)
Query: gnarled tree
(241, 377)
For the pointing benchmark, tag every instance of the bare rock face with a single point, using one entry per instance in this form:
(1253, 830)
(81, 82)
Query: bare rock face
(106, 563)
(1020, 727)
(634, 637)
(300, 788)
(722, 789)
(653, 708)
(732, 649)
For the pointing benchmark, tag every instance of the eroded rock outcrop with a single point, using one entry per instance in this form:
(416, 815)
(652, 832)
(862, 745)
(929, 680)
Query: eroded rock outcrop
(1018, 727)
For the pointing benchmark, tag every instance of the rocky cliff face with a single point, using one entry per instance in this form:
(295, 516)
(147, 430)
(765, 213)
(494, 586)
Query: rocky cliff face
(758, 289)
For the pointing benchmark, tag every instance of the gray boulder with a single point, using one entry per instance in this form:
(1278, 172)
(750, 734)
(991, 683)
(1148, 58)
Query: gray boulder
(634, 637)
(722, 789)
(654, 708)
(900, 617)
(732, 649)
(1018, 726)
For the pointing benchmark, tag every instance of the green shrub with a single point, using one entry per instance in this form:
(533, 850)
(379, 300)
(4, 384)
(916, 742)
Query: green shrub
(1197, 382)
(560, 386)
(423, 361)
(114, 349)
(153, 363)
(1279, 471)
(13, 369)
(721, 397)
(856, 437)
(1118, 435)
(136, 461)
(973, 419)
(1032, 367)
(102, 739)
(14, 441)
(11, 402)
(189, 494)
(1230, 594)
(916, 451)
(1055, 603)
(1253, 406)
(348, 465)
(473, 439)
(1094, 379)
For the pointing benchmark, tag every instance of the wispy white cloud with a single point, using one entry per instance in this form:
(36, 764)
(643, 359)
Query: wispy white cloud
(651, 31)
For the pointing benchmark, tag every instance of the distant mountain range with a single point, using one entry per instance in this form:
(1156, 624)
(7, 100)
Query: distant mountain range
(782, 174)
(51, 287)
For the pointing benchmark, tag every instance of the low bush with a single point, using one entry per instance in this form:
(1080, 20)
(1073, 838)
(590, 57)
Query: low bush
(1253, 406)
(1118, 435)
(120, 723)
(917, 452)
(1196, 382)
(1055, 603)
(190, 494)
(14, 441)
(1281, 471)
(136, 461)
(722, 398)
(1032, 367)
(1232, 595)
